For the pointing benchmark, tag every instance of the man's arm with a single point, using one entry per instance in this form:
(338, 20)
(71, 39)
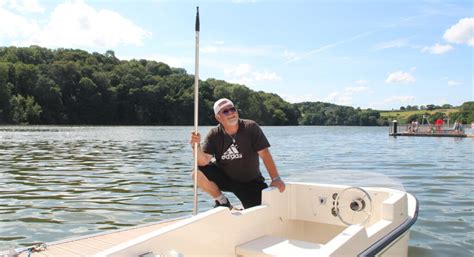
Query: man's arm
(272, 169)
(203, 158)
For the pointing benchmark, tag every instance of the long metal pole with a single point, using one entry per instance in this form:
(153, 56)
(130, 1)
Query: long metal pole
(196, 108)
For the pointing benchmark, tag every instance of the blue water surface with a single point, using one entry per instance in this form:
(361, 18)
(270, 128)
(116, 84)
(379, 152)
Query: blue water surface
(58, 182)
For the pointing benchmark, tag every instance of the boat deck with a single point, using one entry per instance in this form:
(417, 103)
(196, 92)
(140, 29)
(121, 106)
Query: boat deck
(92, 244)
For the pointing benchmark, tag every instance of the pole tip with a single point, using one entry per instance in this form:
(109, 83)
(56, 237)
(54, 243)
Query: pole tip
(197, 18)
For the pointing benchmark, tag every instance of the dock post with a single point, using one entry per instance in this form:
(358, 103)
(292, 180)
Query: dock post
(395, 123)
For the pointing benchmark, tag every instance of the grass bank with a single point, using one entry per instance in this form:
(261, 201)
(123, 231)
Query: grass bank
(403, 115)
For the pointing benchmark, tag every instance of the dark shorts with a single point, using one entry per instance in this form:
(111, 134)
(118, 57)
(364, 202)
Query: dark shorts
(249, 193)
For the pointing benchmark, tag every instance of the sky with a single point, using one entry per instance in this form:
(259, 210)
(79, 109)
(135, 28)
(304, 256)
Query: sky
(366, 53)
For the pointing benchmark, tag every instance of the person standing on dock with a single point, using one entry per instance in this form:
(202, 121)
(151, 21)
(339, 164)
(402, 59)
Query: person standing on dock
(417, 125)
(458, 127)
(229, 158)
(438, 124)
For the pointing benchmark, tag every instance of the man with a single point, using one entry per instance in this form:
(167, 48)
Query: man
(228, 159)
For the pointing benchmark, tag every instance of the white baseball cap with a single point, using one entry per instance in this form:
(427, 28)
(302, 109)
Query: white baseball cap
(221, 103)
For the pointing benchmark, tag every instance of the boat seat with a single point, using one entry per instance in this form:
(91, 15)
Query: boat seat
(277, 246)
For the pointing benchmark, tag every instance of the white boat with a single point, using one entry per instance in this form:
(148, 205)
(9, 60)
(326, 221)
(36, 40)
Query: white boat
(306, 220)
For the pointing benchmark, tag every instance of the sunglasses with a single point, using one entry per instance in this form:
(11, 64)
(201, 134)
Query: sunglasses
(227, 112)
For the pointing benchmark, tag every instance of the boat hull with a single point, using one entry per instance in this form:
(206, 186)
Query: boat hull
(306, 220)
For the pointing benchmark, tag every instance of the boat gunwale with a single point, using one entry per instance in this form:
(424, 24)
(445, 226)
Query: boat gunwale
(72, 239)
(393, 235)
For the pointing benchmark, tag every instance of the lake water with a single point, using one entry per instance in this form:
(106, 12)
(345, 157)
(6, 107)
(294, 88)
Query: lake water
(59, 182)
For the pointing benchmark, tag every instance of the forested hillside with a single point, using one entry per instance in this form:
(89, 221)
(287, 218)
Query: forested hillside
(319, 113)
(64, 86)
(74, 87)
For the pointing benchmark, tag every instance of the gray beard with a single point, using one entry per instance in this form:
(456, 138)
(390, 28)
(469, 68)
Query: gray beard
(234, 122)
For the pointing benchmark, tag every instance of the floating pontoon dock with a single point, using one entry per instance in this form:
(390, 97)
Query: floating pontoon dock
(425, 130)
(421, 134)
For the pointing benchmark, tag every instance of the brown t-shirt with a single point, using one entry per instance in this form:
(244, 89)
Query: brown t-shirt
(237, 155)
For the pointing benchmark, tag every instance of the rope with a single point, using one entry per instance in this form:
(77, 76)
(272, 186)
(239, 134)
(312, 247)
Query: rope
(34, 249)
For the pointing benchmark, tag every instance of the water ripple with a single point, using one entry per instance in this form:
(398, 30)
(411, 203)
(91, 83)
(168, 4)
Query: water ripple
(59, 182)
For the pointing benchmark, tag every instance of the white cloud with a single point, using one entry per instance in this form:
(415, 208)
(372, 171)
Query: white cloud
(245, 74)
(453, 83)
(400, 77)
(73, 24)
(266, 76)
(23, 6)
(240, 70)
(437, 49)
(345, 96)
(15, 26)
(461, 33)
(340, 98)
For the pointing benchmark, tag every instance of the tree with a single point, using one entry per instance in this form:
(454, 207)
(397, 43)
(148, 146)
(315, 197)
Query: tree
(466, 112)
(89, 102)
(72, 86)
(368, 117)
(415, 117)
(158, 68)
(25, 78)
(437, 115)
(467, 106)
(48, 95)
(8, 54)
(24, 110)
(110, 54)
(107, 110)
(5, 93)
(66, 74)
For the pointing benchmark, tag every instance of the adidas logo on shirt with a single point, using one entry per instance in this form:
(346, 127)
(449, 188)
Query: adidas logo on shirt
(232, 153)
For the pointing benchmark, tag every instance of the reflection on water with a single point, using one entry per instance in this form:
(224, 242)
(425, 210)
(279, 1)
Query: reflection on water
(58, 182)
(63, 181)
